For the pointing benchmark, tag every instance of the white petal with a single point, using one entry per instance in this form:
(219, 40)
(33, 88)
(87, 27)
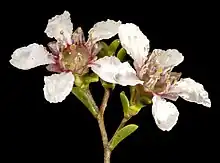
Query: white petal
(192, 91)
(127, 75)
(60, 27)
(104, 30)
(165, 113)
(106, 68)
(168, 58)
(31, 56)
(54, 47)
(134, 42)
(111, 70)
(58, 86)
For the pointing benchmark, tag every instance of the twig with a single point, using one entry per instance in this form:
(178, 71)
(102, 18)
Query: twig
(101, 122)
(104, 101)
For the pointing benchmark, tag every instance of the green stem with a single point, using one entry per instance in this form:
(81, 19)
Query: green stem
(121, 125)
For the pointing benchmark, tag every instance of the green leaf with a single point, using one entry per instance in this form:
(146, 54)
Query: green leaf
(91, 78)
(113, 47)
(122, 134)
(107, 85)
(86, 98)
(145, 100)
(104, 51)
(134, 109)
(121, 54)
(78, 80)
(125, 103)
(85, 80)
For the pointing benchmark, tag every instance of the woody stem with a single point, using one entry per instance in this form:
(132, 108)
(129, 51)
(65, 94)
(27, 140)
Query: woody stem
(101, 123)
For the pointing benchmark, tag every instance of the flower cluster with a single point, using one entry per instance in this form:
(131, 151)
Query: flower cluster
(72, 55)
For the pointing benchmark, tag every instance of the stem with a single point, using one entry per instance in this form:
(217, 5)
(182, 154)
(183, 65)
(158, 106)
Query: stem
(103, 132)
(121, 125)
(101, 122)
(104, 101)
(133, 94)
(107, 155)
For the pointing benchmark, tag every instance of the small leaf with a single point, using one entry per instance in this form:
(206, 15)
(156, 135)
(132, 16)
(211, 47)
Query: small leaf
(122, 134)
(91, 78)
(134, 109)
(85, 80)
(107, 85)
(125, 103)
(121, 54)
(113, 47)
(78, 80)
(86, 98)
(104, 51)
(145, 100)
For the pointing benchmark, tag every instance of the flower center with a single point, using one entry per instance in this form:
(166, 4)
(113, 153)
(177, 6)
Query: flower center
(160, 81)
(155, 82)
(75, 58)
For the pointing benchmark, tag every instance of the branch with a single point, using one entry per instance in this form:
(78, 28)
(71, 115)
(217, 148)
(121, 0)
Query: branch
(104, 101)
(101, 122)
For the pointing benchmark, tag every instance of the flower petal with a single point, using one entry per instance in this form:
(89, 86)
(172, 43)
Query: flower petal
(58, 86)
(95, 49)
(165, 113)
(31, 56)
(111, 70)
(192, 91)
(60, 27)
(168, 58)
(54, 47)
(127, 75)
(106, 68)
(54, 68)
(134, 42)
(103, 30)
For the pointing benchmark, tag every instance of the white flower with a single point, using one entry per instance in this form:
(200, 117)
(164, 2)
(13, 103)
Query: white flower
(155, 70)
(60, 27)
(31, 56)
(58, 86)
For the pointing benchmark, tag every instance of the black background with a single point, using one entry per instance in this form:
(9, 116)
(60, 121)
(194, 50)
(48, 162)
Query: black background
(34, 130)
